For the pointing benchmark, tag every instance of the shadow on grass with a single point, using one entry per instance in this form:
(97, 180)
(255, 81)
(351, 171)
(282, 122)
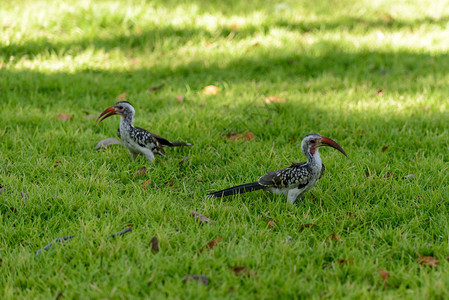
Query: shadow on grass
(181, 35)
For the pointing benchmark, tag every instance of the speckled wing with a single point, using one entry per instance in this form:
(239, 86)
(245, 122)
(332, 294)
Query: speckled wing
(296, 175)
(146, 139)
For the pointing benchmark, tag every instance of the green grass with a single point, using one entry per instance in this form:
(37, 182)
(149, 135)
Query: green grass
(328, 59)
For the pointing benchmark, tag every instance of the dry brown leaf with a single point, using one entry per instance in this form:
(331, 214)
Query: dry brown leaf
(240, 270)
(169, 182)
(380, 92)
(154, 244)
(272, 99)
(122, 96)
(180, 98)
(155, 88)
(199, 179)
(307, 225)
(291, 139)
(343, 261)
(384, 274)
(58, 163)
(332, 236)
(198, 278)
(385, 148)
(107, 142)
(24, 195)
(246, 136)
(146, 184)
(64, 117)
(211, 90)
(201, 218)
(141, 172)
(271, 223)
(428, 260)
(211, 245)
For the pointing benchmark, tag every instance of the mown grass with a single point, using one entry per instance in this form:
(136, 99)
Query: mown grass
(365, 73)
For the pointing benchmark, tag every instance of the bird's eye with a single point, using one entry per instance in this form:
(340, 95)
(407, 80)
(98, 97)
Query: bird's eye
(120, 107)
(313, 142)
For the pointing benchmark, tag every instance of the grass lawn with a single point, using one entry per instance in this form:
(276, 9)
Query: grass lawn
(372, 75)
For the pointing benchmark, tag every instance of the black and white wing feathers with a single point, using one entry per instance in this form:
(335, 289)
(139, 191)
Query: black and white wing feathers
(297, 175)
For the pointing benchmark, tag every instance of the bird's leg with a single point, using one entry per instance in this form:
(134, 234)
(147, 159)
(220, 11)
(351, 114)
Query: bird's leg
(133, 154)
(149, 155)
(292, 195)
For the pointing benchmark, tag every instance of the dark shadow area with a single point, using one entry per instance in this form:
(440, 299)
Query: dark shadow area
(147, 39)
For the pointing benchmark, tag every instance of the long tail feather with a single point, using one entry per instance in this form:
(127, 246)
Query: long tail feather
(179, 144)
(240, 189)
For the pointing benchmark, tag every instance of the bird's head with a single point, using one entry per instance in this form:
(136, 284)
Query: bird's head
(122, 108)
(312, 142)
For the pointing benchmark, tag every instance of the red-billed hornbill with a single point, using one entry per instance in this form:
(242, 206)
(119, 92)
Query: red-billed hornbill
(295, 180)
(137, 140)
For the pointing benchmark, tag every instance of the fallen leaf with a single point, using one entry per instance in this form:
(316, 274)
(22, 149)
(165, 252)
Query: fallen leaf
(154, 244)
(169, 182)
(198, 278)
(58, 163)
(107, 142)
(428, 260)
(211, 245)
(122, 96)
(350, 214)
(274, 99)
(240, 270)
(64, 117)
(385, 148)
(24, 195)
(235, 26)
(343, 261)
(388, 174)
(201, 218)
(211, 90)
(291, 139)
(332, 236)
(307, 225)
(409, 176)
(384, 274)
(141, 172)
(155, 88)
(271, 223)
(180, 98)
(183, 161)
(91, 117)
(380, 92)
(233, 136)
(199, 179)
(146, 184)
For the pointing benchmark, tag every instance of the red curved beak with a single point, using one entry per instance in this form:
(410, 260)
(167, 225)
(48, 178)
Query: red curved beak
(110, 111)
(329, 142)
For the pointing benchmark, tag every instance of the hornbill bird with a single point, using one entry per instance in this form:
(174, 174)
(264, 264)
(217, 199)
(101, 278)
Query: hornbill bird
(295, 180)
(137, 140)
